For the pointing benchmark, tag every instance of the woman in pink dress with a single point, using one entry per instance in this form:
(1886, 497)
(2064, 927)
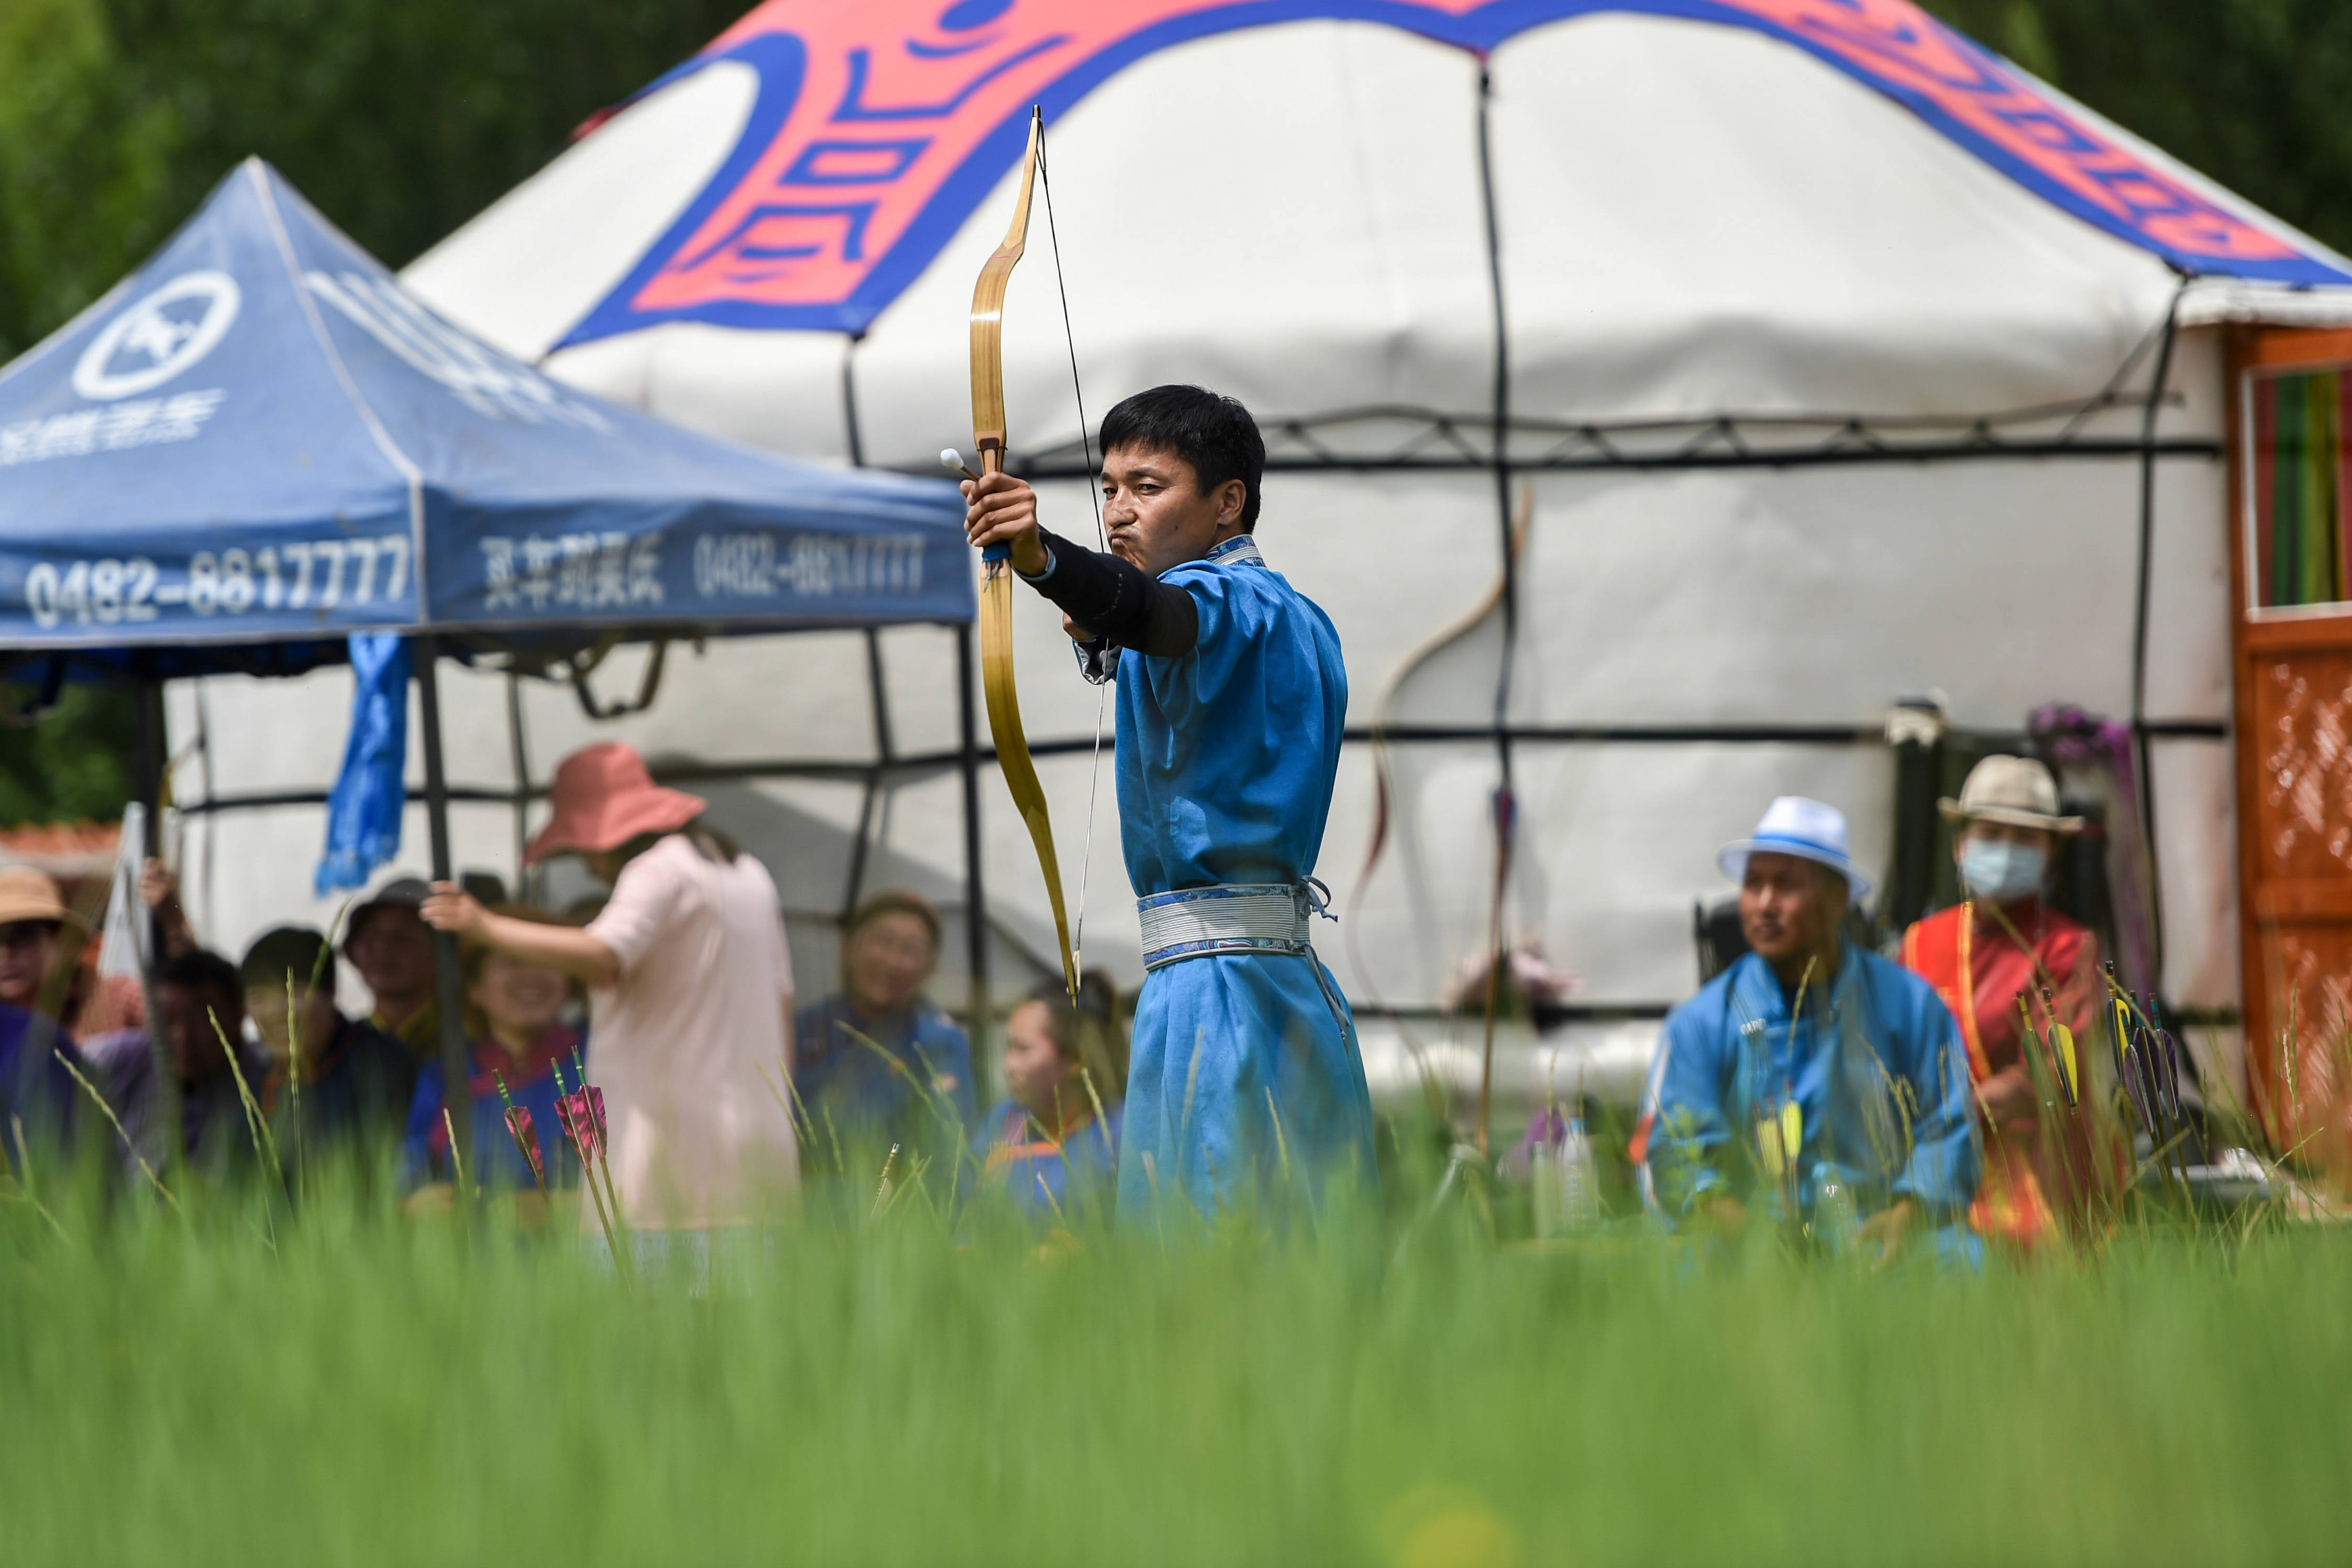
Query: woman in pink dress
(690, 999)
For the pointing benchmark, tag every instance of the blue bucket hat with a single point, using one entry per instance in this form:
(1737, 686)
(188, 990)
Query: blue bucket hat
(1806, 828)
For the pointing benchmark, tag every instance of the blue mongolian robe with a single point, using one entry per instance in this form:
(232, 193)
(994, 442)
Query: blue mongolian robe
(1245, 1080)
(1875, 1069)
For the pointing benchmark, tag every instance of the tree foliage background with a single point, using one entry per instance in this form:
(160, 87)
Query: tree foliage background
(401, 119)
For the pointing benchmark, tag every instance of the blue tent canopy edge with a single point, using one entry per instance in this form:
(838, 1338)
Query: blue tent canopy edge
(259, 443)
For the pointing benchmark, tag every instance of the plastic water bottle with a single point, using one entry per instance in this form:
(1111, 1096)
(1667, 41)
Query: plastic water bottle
(1567, 1191)
(1835, 1221)
(1580, 1182)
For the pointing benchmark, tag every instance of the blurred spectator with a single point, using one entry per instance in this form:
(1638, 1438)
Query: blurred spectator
(40, 1104)
(100, 1003)
(1065, 1076)
(202, 999)
(690, 997)
(159, 890)
(2001, 941)
(48, 964)
(1812, 1081)
(37, 960)
(388, 942)
(351, 1080)
(851, 1094)
(515, 1020)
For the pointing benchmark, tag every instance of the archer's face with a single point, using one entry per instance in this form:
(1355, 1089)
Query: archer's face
(1155, 513)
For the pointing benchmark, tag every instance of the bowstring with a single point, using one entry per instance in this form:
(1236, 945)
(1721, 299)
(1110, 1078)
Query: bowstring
(1102, 542)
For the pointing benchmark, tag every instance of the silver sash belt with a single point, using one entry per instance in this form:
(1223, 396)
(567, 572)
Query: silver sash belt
(1231, 917)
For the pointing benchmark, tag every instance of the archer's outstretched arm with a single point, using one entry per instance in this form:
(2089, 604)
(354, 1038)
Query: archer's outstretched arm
(1102, 596)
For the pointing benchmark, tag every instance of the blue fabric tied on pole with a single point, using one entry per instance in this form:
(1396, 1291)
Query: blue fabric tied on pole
(363, 809)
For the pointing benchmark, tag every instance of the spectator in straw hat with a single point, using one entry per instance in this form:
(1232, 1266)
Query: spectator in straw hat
(49, 964)
(689, 1002)
(37, 960)
(2001, 942)
(1812, 1081)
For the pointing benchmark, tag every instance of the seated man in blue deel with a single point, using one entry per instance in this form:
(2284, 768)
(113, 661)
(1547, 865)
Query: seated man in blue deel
(1811, 1086)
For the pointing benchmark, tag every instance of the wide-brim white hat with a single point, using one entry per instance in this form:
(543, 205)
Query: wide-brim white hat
(1808, 830)
(2017, 791)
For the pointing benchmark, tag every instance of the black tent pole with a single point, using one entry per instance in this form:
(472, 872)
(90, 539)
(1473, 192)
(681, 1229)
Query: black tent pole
(447, 986)
(975, 900)
(147, 695)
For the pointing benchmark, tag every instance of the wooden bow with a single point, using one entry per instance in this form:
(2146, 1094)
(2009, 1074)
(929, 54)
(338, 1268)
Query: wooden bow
(996, 584)
(1384, 805)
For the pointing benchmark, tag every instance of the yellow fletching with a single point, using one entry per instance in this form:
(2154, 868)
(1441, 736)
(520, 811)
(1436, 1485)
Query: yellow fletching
(2064, 1038)
(1793, 1132)
(1768, 1144)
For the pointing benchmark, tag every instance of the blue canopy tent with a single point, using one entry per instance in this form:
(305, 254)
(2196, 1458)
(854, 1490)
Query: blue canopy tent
(259, 445)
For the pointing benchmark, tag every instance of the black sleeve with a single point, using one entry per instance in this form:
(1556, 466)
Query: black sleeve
(1115, 601)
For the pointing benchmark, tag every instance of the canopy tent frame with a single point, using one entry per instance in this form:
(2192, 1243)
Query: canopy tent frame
(351, 427)
(150, 786)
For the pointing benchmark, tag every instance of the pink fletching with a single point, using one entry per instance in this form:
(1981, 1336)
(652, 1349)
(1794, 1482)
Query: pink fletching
(525, 1137)
(579, 1124)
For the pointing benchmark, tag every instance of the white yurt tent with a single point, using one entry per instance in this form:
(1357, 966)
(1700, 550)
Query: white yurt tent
(1822, 342)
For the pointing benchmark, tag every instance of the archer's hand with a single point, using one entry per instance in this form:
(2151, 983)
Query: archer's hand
(1003, 509)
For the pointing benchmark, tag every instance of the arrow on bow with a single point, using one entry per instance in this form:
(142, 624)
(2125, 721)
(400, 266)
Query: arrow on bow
(996, 584)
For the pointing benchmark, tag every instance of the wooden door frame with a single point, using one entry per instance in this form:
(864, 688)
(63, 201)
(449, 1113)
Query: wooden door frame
(2249, 348)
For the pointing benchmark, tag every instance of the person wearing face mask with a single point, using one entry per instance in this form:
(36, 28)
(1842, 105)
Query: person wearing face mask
(2000, 939)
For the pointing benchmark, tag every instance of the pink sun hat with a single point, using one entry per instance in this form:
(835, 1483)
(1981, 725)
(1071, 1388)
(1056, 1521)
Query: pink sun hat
(603, 796)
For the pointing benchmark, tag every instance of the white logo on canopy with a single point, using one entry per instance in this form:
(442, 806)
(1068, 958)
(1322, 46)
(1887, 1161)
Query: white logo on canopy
(159, 337)
(485, 383)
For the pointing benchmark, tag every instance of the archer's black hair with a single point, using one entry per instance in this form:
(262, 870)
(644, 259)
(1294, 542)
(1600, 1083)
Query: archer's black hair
(1210, 431)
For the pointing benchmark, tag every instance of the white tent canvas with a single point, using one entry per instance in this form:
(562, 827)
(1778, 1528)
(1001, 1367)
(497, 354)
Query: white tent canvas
(1712, 248)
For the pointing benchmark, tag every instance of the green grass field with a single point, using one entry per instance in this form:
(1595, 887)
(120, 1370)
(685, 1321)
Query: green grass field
(363, 1389)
